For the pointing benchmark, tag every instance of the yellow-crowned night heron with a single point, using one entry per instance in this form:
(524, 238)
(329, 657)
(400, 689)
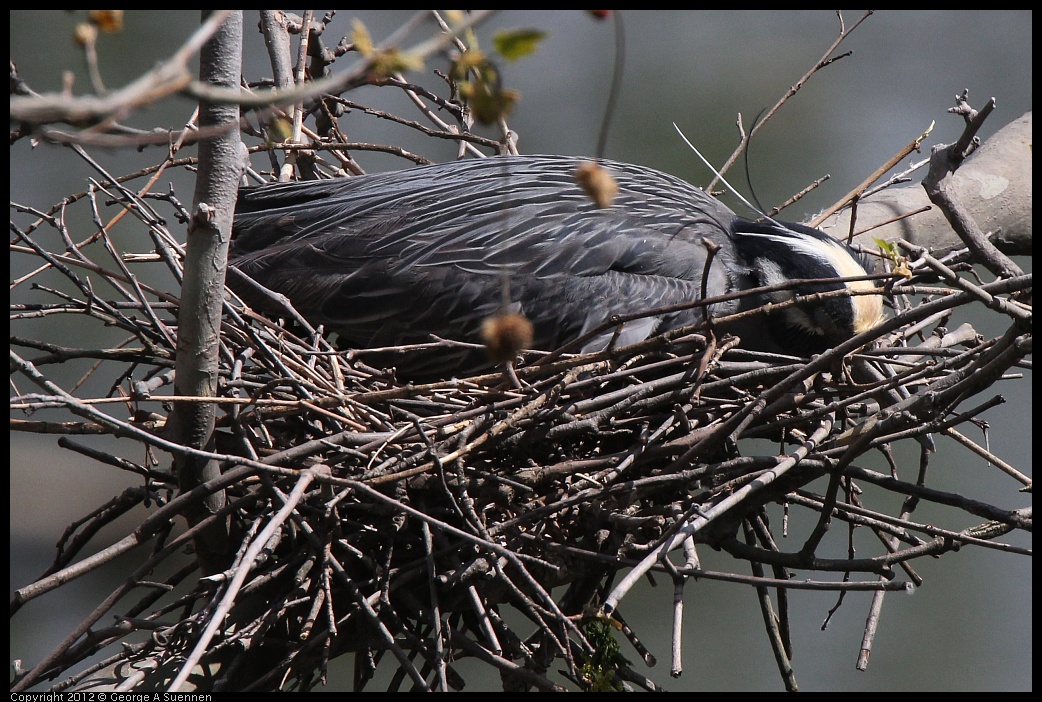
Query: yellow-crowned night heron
(391, 258)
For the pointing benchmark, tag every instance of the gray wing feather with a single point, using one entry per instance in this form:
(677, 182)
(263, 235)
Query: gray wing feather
(392, 258)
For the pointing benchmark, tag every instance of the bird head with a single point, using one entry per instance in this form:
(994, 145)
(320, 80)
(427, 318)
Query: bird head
(777, 254)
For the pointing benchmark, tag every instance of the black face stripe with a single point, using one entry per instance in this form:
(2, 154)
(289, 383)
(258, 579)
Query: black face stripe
(797, 251)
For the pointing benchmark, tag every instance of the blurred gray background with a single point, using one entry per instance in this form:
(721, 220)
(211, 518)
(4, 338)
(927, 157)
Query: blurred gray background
(969, 627)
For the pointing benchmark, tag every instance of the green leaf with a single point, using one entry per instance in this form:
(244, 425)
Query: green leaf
(363, 43)
(488, 105)
(515, 43)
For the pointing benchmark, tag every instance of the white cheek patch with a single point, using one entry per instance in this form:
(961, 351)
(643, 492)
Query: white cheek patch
(868, 309)
(772, 274)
